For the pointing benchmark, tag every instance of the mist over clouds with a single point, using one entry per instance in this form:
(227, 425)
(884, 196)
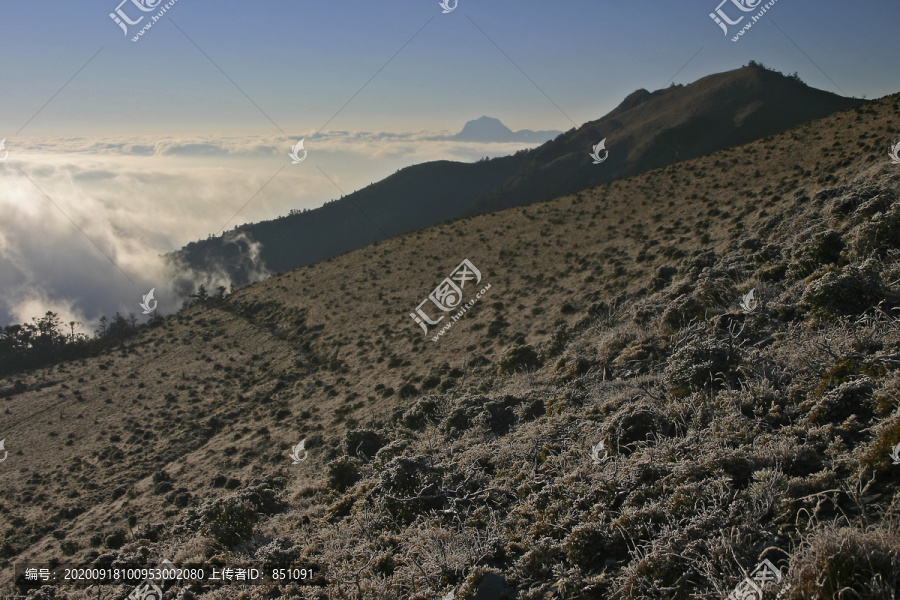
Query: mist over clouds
(98, 246)
(139, 198)
(414, 147)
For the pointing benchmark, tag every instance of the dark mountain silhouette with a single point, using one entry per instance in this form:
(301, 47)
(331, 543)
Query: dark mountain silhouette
(411, 199)
(646, 131)
(488, 129)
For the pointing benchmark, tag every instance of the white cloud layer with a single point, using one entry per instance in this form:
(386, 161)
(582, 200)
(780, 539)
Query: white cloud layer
(86, 221)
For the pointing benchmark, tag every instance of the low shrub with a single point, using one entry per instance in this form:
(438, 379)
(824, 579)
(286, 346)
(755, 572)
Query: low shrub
(420, 414)
(850, 398)
(878, 234)
(363, 443)
(519, 358)
(592, 546)
(409, 485)
(819, 249)
(663, 277)
(680, 312)
(390, 452)
(407, 390)
(841, 560)
(280, 553)
(639, 356)
(571, 367)
(700, 364)
(835, 291)
(231, 519)
(343, 473)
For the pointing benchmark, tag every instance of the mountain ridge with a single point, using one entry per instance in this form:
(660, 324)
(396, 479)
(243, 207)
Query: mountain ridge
(646, 131)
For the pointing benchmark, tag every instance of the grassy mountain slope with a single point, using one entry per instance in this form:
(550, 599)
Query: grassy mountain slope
(612, 316)
(647, 131)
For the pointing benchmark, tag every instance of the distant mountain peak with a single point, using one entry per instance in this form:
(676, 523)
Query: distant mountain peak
(492, 130)
(483, 126)
(491, 120)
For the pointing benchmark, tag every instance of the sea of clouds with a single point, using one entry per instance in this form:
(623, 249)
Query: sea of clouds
(86, 222)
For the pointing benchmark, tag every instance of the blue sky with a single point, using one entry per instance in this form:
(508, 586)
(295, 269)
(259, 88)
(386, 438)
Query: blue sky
(150, 145)
(301, 61)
